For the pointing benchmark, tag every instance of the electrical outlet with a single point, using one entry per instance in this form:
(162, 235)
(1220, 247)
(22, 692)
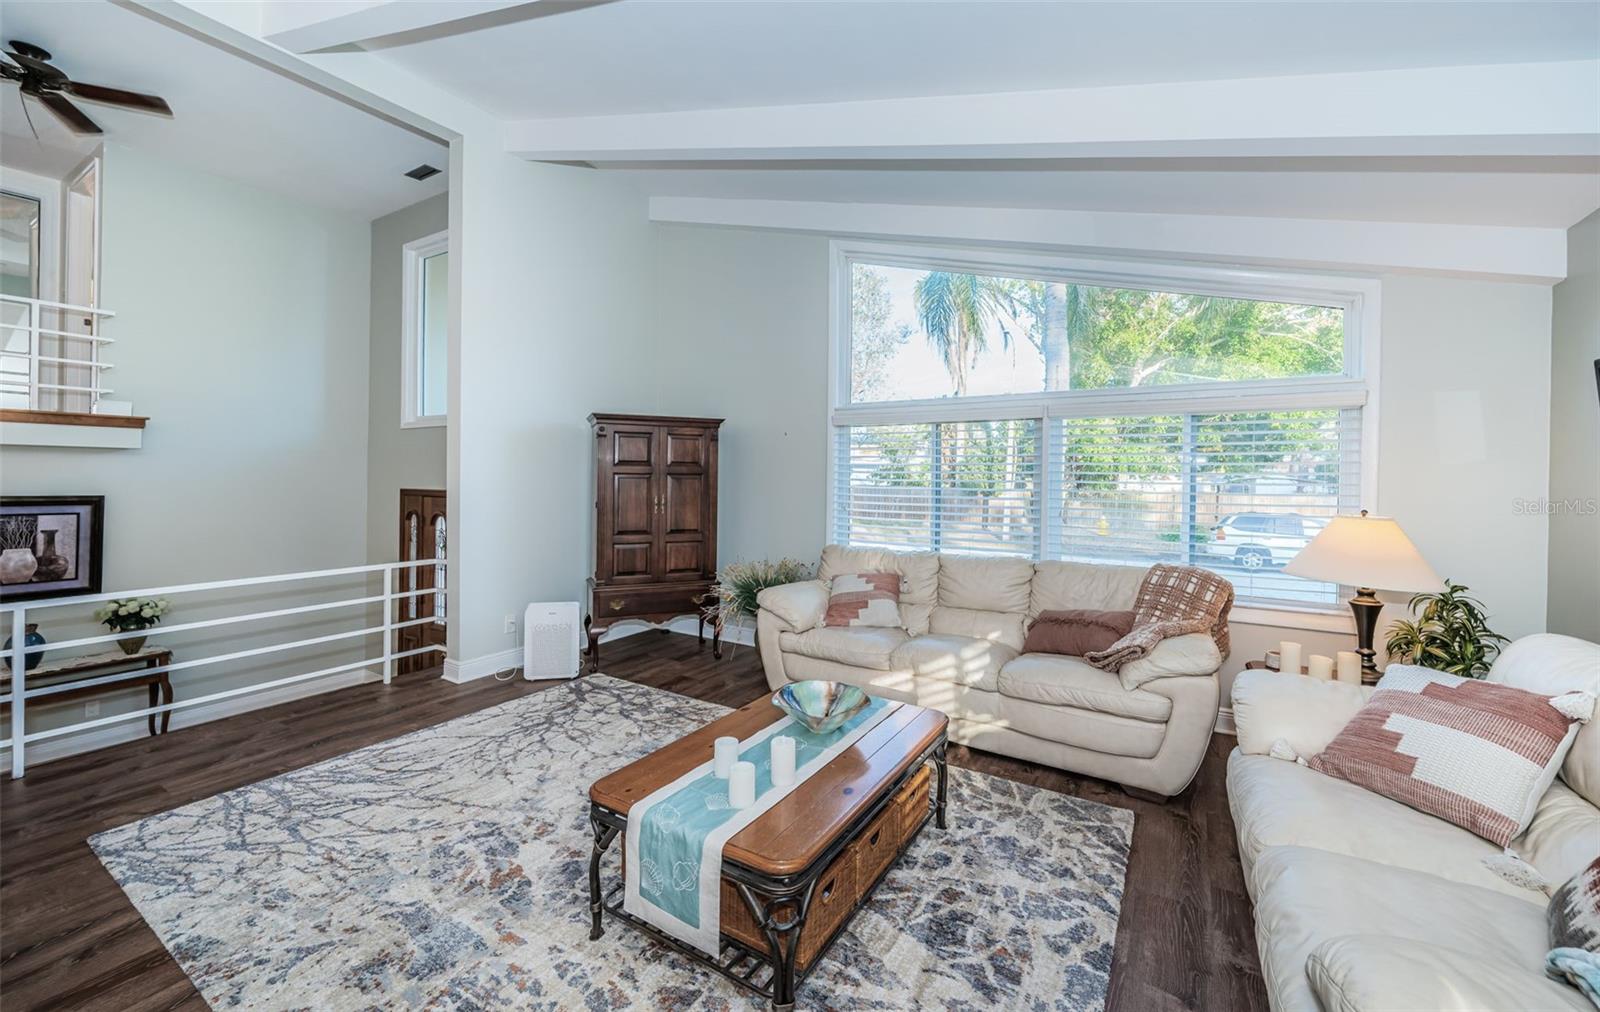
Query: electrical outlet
(511, 625)
(91, 709)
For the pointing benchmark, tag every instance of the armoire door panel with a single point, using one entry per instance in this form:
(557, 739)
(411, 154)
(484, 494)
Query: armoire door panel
(684, 558)
(685, 504)
(633, 504)
(631, 560)
(686, 448)
(633, 447)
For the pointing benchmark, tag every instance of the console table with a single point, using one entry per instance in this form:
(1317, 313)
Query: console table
(68, 670)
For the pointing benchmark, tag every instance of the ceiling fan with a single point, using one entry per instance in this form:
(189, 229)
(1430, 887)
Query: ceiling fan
(30, 67)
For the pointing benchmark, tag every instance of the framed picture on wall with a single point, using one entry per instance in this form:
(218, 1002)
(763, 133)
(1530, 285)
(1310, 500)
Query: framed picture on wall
(50, 546)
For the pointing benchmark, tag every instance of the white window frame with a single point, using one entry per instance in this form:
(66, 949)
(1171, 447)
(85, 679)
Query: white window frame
(413, 254)
(1357, 387)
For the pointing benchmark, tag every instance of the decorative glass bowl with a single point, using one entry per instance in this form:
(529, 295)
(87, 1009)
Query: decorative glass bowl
(820, 706)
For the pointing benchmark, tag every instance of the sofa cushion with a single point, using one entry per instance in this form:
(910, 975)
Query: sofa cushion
(1306, 713)
(1305, 897)
(800, 605)
(1001, 626)
(1480, 754)
(1067, 681)
(1277, 803)
(919, 577)
(963, 659)
(1563, 837)
(1174, 657)
(985, 584)
(860, 647)
(1376, 973)
(1550, 664)
(1061, 585)
(860, 600)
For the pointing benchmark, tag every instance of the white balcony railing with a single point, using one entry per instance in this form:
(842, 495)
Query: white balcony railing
(51, 355)
(22, 612)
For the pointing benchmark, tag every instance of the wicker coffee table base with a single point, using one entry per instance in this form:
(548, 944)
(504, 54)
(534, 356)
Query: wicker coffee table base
(779, 905)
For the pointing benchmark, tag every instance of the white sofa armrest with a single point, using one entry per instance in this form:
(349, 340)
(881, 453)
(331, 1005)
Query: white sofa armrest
(800, 606)
(1191, 654)
(1305, 712)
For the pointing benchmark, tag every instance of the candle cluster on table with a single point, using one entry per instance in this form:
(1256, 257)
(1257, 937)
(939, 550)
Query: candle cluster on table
(1345, 666)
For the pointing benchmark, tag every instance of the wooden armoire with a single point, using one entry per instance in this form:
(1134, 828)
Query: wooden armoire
(655, 501)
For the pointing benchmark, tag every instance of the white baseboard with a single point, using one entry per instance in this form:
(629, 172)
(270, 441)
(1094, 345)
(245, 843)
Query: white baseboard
(481, 667)
(135, 728)
(1225, 721)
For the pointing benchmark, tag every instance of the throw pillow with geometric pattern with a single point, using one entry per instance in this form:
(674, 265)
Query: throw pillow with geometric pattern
(864, 599)
(1478, 754)
(1574, 913)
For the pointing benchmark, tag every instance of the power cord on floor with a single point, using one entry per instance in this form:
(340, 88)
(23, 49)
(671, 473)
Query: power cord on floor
(506, 674)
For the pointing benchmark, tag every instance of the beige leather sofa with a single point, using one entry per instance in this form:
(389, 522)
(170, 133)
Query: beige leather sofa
(1362, 903)
(959, 650)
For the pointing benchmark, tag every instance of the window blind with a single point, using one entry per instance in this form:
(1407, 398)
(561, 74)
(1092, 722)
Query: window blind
(967, 487)
(1239, 493)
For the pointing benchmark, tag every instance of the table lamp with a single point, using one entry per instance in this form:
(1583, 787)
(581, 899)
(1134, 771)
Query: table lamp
(1365, 552)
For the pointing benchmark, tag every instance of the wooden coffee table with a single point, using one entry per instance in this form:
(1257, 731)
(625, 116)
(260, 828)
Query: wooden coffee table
(793, 878)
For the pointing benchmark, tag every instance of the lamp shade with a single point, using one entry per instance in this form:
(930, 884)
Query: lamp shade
(1365, 551)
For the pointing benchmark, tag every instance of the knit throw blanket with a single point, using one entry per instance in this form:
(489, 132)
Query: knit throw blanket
(1173, 601)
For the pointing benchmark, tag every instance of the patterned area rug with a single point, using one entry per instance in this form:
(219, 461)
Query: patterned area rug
(448, 869)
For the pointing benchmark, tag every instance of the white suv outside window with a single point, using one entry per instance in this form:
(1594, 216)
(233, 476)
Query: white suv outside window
(1262, 540)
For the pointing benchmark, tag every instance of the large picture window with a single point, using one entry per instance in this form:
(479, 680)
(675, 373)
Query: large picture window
(1042, 408)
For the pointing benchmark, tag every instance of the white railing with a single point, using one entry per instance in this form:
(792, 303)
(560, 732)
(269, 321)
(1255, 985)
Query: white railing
(19, 694)
(51, 382)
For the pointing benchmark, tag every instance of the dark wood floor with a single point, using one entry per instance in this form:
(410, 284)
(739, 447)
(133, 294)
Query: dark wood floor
(69, 938)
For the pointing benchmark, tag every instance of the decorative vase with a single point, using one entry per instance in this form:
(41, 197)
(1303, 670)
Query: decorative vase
(132, 645)
(17, 565)
(31, 638)
(52, 564)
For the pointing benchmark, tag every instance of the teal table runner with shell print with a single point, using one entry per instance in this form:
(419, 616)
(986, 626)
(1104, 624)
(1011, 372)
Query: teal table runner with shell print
(675, 835)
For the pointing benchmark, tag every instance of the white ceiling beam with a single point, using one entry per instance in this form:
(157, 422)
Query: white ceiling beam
(307, 26)
(1537, 255)
(1507, 109)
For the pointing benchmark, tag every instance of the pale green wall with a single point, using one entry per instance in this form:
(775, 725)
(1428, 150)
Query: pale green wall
(396, 458)
(1575, 439)
(242, 332)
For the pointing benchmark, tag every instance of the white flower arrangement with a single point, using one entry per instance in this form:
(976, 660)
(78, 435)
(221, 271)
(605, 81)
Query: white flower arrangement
(130, 614)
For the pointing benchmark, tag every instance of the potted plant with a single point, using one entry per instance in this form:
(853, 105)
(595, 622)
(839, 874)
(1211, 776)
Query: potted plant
(1449, 635)
(131, 614)
(740, 582)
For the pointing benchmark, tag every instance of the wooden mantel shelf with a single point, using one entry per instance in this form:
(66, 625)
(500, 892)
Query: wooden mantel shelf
(72, 418)
(21, 427)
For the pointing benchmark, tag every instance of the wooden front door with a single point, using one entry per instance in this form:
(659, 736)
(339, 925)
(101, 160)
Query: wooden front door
(424, 534)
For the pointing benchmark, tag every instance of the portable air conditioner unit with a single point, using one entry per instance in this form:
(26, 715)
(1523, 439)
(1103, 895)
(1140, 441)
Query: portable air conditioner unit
(550, 640)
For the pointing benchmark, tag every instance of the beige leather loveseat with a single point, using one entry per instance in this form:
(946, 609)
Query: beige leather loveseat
(1364, 904)
(963, 621)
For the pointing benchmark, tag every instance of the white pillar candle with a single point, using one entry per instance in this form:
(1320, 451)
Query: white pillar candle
(1320, 666)
(1289, 657)
(724, 753)
(1350, 667)
(742, 785)
(782, 761)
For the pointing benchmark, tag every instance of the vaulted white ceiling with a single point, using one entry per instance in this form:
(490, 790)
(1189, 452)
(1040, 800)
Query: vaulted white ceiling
(553, 59)
(232, 117)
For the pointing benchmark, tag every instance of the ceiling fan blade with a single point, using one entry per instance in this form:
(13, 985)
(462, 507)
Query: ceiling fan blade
(10, 71)
(69, 113)
(116, 96)
(43, 69)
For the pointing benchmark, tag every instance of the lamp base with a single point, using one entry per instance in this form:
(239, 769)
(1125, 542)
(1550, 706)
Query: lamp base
(1366, 607)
